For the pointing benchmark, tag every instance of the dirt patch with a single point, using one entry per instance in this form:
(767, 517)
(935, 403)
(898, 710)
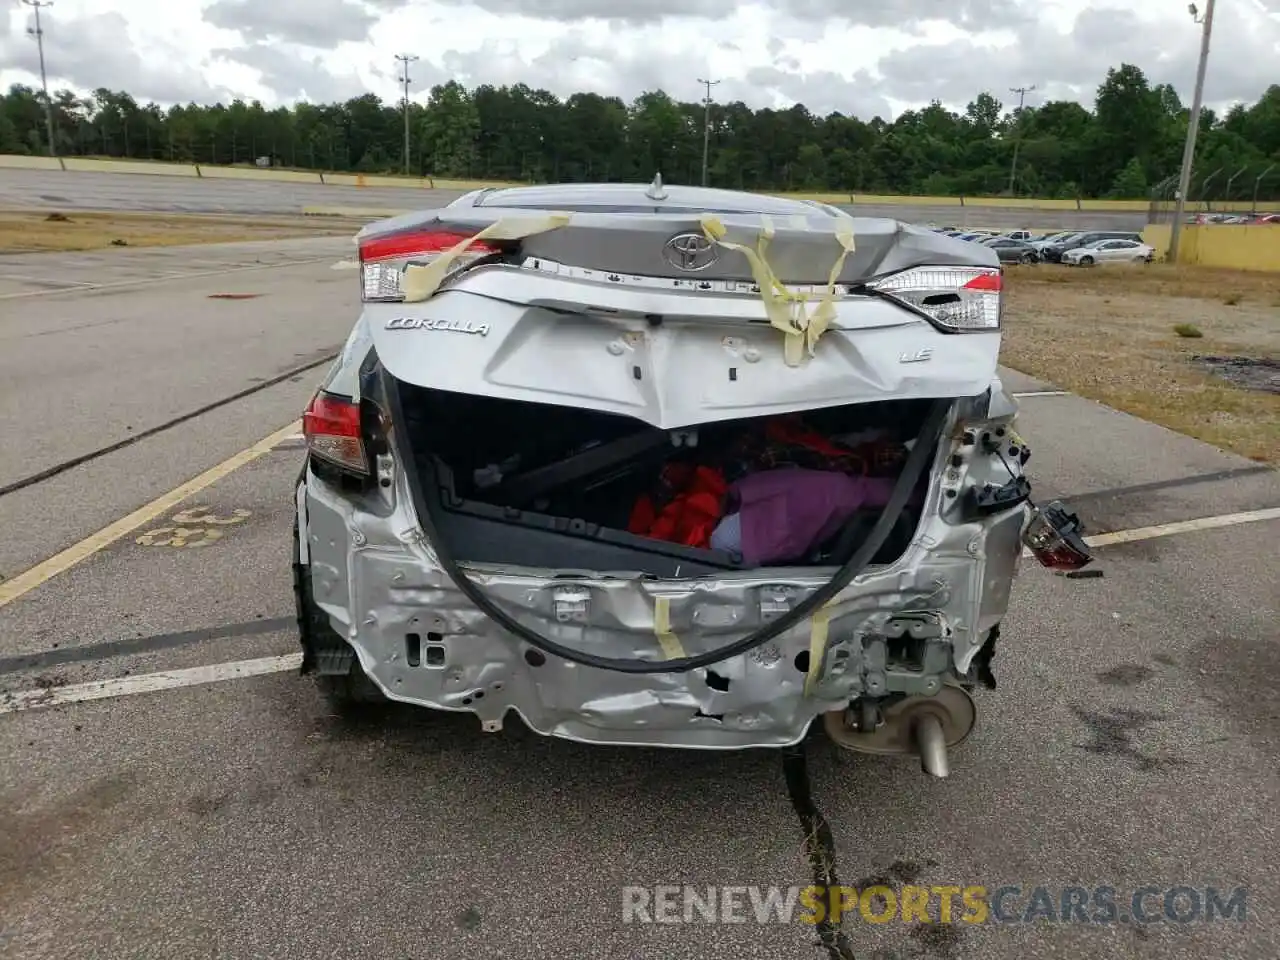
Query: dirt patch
(31, 231)
(38, 840)
(1110, 334)
(1252, 373)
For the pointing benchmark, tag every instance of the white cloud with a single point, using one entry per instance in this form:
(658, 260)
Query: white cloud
(884, 57)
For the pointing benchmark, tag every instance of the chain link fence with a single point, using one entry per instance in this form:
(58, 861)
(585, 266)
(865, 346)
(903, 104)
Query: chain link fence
(1220, 194)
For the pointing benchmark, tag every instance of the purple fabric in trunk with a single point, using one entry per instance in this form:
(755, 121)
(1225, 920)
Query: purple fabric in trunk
(786, 513)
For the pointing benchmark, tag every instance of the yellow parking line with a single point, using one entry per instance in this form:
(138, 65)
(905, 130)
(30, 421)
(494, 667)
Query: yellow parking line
(25, 582)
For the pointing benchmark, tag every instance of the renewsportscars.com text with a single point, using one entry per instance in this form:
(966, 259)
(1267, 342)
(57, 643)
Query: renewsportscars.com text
(940, 903)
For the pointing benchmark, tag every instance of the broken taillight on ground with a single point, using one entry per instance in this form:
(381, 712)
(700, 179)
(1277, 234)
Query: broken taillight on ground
(1056, 537)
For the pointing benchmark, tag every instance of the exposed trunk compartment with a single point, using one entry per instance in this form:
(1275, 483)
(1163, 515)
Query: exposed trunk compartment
(555, 487)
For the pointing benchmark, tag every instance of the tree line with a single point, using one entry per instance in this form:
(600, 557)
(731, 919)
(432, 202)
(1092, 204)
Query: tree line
(1128, 147)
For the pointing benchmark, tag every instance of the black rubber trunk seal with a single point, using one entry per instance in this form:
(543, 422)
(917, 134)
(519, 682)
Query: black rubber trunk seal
(922, 452)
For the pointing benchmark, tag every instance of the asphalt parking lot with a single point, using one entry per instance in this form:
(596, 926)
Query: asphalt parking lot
(58, 190)
(1133, 740)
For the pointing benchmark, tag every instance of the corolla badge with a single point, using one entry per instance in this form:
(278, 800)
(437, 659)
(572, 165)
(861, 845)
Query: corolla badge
(690, 252)
(449, 326)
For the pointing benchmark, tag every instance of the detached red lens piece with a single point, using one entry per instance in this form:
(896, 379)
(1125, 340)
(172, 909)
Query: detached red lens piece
(1055, 536)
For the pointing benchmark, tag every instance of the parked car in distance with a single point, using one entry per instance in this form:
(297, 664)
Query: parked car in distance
(1042, 241)
(1019, 235)
(1110, 251)
(1012, 251)
(1054, 251)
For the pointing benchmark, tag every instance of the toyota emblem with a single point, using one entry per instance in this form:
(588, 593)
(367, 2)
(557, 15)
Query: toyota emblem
(690, 252)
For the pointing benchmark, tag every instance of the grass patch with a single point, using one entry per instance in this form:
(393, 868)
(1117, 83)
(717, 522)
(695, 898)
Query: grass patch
(1116, 335)
(33, 231)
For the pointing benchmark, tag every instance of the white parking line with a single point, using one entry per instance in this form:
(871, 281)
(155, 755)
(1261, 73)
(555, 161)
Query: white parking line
(163, 278)
(70, 284)
(1183, 526)
(147, 683)
(1180, 526)
(1042, 393)
(234, 670)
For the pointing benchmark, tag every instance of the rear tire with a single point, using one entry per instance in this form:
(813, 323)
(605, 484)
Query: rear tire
(351, 693)
(346, 692)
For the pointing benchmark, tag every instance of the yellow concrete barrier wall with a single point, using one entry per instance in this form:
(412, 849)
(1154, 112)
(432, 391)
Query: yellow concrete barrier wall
(1157, 234)
(1239, 246)
(384, 181)
(89, 165)
(257, 173)
(14, 161)
(354, 213)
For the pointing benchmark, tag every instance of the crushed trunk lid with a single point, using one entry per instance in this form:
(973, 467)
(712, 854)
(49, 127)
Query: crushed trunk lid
(603, 311)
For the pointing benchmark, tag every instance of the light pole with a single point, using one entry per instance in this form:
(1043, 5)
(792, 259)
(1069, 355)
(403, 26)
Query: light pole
(706, 125)
(38, 33)
(1230, 180)
(405, 59)
(1193, 128)
(1017, 140)
(1256, 184)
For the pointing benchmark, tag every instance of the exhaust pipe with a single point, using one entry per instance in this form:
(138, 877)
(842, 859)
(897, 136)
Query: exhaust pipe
(931, 744)
(916, 726)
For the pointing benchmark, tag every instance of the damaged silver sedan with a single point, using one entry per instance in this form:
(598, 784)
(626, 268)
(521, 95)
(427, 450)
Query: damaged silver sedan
(668, 466)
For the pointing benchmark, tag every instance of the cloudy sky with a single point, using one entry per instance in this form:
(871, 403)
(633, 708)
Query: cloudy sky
(892, 55)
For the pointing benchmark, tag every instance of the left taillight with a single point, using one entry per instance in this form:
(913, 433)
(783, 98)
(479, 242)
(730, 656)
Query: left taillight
(383, 258)
(331, 425)
(954, 299)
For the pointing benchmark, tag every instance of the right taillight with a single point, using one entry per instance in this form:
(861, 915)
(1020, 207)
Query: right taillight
(331, 425)
(384, 257)
(1055, 536)
(954, 299)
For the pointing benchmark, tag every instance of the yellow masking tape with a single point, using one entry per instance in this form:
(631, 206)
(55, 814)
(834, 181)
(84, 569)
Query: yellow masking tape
(672, 649)
(784, 308)
(818, 625)
(422, 280)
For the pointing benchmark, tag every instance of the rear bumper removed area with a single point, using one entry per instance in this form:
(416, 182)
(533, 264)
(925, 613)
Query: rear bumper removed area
(907, 627)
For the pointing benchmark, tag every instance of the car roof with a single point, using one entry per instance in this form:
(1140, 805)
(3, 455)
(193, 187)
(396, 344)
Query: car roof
(640, 198)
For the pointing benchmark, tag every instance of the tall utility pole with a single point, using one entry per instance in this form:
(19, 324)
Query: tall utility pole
(1017, 141)
(706, 125)
(38, 33)
(1193, 128)
(406, 59)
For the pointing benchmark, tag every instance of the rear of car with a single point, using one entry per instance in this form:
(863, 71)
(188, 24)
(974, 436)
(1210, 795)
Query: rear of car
(1012, 251)
(675, 467)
